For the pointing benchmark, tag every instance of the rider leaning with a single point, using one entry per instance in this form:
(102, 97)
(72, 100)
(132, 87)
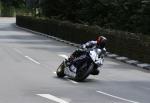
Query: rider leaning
(100, 43)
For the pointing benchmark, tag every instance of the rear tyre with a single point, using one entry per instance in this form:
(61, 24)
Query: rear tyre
(60, 70)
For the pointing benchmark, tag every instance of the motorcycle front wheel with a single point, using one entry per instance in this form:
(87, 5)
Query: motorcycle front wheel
(60, 70)
(84, 72)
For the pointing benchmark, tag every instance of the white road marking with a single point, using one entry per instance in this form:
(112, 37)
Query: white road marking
(64, 56)
(32, 59)
(131, 61)
(18, 51)
(146, 88)
(111, 63)
(117, 97)
(73, 81)
(51, 97)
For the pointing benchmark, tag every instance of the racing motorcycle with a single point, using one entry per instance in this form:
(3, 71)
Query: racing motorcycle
(85, 64)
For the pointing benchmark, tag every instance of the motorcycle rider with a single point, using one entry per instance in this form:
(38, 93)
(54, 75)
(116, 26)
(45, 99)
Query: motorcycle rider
(100, 43)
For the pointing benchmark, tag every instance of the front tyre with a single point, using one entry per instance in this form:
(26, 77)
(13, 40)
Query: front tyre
(84, 72)
(60, 70)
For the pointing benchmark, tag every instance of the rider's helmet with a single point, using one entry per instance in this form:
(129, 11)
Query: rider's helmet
(101, 41)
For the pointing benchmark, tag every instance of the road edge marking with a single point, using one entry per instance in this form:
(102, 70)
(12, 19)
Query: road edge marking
(117, 97)
(53, 98)
(32, 60)
(18, 51)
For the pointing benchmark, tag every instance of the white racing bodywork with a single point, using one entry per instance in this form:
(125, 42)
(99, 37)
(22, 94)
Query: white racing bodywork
(94, 54)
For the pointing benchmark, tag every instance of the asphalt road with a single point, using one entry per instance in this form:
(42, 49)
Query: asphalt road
(27, 73)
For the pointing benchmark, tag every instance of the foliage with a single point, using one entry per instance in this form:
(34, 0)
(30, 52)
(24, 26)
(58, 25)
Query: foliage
(8, 7)
(132, 45)
(13, 3)
(62, 9)
(128, 15)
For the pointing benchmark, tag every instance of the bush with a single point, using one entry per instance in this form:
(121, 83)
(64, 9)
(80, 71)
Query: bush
(135, 46)
(7, 12)
(127, 15)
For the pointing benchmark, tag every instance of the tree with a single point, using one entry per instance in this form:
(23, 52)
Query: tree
(129, 15)
(9, 7)
(13, 3)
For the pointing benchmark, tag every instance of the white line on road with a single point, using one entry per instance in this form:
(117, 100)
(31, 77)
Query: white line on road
(117, 97)
(51, 97)
(32, 59)
(64, 56)
(18, 51)
(146, 88)
(73, 81)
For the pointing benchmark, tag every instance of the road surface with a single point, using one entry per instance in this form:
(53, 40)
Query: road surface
(27, 73)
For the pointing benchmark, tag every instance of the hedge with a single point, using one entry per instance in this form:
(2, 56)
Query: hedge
(134, 46)
(7, 11)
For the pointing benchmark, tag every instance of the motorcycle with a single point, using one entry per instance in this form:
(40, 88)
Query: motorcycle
(85, 64)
